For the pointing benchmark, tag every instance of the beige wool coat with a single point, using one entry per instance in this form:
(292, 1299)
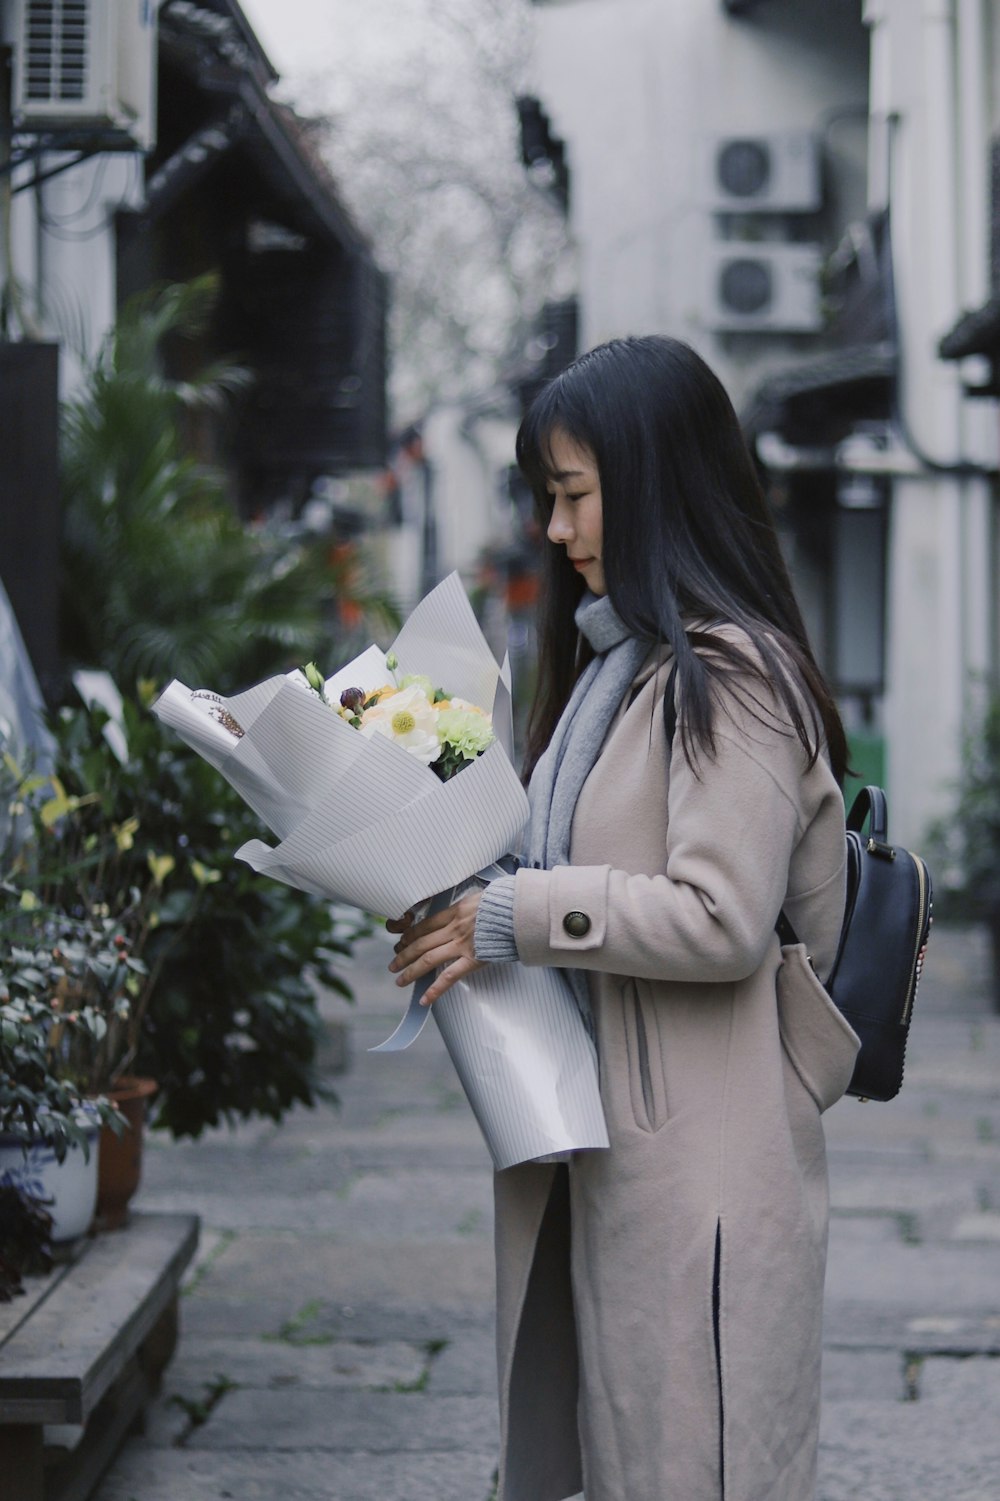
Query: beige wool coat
(659, 1304)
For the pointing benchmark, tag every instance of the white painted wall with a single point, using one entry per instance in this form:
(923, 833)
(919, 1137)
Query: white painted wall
(632, 86)
(469, 455)
(63, 251)
(942, 584)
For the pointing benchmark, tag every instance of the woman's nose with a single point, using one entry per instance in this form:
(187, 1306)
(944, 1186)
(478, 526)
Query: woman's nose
(560, 527)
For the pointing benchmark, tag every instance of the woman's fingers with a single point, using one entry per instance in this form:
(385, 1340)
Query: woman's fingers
(411, 966)
(412, 946)
(455, 971)
(447, 938)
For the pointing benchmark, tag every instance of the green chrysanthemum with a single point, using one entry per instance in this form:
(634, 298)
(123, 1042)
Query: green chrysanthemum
(465, 731)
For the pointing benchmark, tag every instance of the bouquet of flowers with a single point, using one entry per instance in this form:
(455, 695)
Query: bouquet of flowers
(444, 733)
(391, 783)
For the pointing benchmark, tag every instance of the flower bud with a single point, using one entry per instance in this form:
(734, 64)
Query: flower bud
(314, 678)
(353, 699)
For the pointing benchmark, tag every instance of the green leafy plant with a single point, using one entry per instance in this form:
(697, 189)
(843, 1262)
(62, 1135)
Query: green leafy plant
(60, 977)
(40, 1097)
(227, 1001)
(161, 578)
(71, 930)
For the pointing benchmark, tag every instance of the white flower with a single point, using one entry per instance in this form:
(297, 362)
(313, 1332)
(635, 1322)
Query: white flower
(408, 719)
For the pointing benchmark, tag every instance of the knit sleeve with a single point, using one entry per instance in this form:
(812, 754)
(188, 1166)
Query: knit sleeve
(494, 935)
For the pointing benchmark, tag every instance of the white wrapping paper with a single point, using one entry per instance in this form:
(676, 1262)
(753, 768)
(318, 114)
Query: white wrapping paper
(360, 820)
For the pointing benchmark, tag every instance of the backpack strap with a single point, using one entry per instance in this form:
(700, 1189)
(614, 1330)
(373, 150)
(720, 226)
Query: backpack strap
(870, 803)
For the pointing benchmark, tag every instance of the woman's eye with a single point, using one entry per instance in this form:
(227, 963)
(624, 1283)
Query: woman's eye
(581, 495)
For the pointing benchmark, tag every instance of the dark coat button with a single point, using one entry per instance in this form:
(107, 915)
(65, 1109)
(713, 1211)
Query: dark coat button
(577, 924)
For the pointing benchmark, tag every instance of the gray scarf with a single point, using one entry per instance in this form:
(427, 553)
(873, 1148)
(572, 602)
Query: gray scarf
(569, 758)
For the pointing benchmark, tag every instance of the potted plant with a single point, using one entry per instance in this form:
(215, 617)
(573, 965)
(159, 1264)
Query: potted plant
(967, 843)
(223, 1014)
(49, 1127)
(72, 967)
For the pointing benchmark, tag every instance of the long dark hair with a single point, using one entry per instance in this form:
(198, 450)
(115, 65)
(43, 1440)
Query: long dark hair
(689, 542)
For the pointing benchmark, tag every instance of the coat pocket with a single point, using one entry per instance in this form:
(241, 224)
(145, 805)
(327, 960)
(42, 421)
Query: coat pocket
(647, 1086)
(821, 1044)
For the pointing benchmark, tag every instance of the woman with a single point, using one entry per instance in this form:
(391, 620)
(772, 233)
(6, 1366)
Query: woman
(659, 1303)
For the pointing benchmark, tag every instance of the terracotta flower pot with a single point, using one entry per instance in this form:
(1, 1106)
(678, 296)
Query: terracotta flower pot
(120, 1163)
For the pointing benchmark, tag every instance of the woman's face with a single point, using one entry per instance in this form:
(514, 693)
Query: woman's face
(576, 522)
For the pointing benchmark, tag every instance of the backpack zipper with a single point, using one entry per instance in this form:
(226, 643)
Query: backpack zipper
(915, 972)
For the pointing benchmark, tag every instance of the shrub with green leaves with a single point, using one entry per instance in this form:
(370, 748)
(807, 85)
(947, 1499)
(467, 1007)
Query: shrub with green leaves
(160, 576)
(230, 1024)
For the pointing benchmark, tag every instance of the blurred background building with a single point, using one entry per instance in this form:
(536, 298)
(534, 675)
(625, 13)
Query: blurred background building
(148, 149)
(804, 190)
(808, 191)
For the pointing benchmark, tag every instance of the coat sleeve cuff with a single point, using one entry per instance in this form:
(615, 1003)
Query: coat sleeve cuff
(494, 935)
(560, 914)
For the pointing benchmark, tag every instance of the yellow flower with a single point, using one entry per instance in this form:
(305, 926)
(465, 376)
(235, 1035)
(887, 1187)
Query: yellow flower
(160, 867)
(124, 833)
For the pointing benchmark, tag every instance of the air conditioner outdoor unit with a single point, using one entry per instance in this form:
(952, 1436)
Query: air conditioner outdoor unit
(86, 65)
(762, 287)
(761, 174)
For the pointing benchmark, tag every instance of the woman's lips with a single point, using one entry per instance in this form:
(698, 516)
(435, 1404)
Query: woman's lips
(580, 562)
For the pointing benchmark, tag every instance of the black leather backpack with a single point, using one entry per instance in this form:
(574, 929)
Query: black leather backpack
(880, 955)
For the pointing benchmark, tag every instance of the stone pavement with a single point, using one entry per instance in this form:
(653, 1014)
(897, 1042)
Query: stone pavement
(336, 1331)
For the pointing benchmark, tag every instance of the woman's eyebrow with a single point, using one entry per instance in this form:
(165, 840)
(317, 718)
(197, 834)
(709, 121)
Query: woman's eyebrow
(561, 474)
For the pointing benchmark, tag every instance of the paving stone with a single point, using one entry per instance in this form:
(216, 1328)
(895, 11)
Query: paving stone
(972, 1384)
(857, 1374)
(439, 1274)
(928, 1279)
(205, 1316)
(466, 1364)
(978, 1227)
(898, 1188)
(193, 1475)
(276, 1363)
(867, 1326)
(907, 1451)
(376, 1422)
(868, 1227)
(422, 1205)
(395, 1319)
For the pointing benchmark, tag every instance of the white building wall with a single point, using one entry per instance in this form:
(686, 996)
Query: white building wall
(631, 85)
(63, 251)
(468, 455)
(930, 103)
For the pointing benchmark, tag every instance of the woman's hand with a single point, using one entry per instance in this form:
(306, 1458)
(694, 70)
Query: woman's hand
(446, 938)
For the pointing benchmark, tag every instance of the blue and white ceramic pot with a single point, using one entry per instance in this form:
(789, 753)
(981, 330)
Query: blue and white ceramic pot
(68, 1189)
